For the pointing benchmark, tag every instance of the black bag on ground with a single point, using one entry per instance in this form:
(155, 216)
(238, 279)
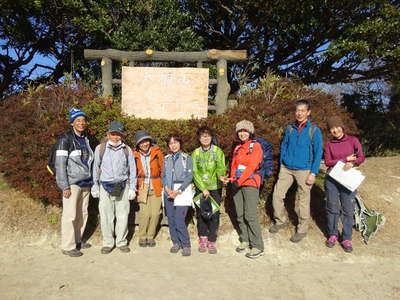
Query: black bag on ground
(205, 208)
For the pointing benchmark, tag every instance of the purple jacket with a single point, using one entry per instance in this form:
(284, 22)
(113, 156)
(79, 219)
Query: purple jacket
(336, 150)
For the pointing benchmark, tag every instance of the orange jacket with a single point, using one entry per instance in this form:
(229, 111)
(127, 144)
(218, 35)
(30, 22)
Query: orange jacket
(156, 169)
(247, 164)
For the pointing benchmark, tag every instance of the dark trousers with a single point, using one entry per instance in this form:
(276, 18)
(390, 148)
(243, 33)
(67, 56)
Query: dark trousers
(340, 203)
(209, 227)
(176, 223)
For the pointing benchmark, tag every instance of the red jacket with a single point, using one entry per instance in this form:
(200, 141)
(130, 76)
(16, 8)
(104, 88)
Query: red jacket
(245, 164)
(156, 169)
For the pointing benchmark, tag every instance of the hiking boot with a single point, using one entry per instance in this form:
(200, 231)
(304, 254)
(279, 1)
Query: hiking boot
(331, 241)
(143, 243)
(212, 248)
(106, 250)
(186, 251)
(255, 253)
(276, 227)
(72, 253)
(297, 237)
(83, 245)
(242, 247)
(151, 242)
(124, 249)
(175, 248)
(347, 246)
(203, 244)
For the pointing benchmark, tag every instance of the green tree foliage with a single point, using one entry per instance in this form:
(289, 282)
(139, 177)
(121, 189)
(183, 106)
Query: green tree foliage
(315, 40)
(60, 30)
(377, 116)
(135, 25)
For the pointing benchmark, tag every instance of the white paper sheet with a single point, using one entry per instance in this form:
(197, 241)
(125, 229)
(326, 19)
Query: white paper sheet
(186, 198)
(350, 179)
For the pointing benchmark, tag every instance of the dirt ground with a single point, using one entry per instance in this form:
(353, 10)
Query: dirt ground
(32, 266)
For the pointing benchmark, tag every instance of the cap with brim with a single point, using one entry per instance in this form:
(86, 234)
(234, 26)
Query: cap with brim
(116, 126)
(142, 135)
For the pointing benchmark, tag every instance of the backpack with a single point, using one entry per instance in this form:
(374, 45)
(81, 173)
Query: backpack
(367, 221)
(214, 152)
(311, 131)
(102, 150)
(184, 160)
(51, 162)
(266, 165)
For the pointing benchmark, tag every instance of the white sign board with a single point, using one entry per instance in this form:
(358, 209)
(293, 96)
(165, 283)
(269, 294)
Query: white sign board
(165, 93)
(350, 179)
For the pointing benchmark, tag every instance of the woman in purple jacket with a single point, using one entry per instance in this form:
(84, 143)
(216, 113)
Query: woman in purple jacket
(340, 201)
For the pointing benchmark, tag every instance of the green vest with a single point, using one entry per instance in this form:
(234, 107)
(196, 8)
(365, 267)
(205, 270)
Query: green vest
(208, 166)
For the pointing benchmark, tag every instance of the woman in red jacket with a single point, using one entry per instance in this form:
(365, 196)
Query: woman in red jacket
(340, 201)
(246, 182)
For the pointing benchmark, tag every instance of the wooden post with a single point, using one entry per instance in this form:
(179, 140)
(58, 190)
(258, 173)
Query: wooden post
(106, 76)
(223, 87)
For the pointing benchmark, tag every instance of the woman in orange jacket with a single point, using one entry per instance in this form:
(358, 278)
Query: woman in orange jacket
(246, 182)
(149, 163)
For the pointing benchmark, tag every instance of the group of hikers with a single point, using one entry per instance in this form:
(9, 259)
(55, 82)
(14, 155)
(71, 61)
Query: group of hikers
(117, 174)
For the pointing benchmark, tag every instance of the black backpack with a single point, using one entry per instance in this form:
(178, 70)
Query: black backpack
(51, 163)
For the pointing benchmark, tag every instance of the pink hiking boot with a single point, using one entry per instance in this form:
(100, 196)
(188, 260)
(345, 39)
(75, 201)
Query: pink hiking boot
(203, 244)
(347, 246)
(331, 241)
(212, 248)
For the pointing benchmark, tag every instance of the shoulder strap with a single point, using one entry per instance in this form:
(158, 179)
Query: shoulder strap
(311, 132)
(126, 151)
(196, 151)
(236, 150)
(290, 128)
(251, 146)
(184, 158)
(102, 149)
(70, 139)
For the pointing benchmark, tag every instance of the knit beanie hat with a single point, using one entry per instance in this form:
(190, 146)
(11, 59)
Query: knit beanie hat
(335, 121)
(246, 125)
(75, 113)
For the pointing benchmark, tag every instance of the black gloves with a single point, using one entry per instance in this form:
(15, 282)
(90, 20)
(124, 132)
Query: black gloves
(235, 187)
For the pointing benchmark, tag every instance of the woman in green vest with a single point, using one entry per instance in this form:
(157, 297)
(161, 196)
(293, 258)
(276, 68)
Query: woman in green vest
(208, 175)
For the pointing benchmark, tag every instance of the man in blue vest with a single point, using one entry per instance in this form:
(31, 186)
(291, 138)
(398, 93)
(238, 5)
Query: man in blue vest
(301, 153)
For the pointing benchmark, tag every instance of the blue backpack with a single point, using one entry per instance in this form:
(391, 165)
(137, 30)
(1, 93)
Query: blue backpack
(266, 165)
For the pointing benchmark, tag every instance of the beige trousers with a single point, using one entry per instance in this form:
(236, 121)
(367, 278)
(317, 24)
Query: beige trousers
(114, 212)
(74, 217)
(149, 216)
(302, 202)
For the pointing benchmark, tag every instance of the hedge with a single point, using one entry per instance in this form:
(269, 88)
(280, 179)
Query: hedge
(31, 122)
